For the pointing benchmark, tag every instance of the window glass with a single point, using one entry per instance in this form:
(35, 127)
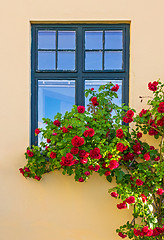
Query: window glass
(46, 39)
(97, 83)
(113, 39)
(66, 40)
(113, 60)
(55, 96)
(93, 60)
(66, 60)
(93, 40)
(46, 60)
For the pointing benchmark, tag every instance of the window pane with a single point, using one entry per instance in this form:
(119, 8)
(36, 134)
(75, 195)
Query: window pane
(113, 39)
(93, 60)
(46, 39)
(97, 83)
(46, 60)
(66, 40)
(55, 96)
(93, 40)
(66, 60)
(113, 60)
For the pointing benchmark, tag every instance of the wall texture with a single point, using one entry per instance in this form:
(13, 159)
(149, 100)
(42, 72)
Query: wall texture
(57, 207)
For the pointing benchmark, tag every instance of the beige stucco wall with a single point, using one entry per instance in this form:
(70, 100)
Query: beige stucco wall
(57, 207)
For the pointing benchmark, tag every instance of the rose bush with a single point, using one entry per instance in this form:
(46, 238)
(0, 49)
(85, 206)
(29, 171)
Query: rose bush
(96, 140)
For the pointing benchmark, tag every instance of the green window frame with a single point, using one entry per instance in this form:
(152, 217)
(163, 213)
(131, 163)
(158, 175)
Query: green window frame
(79, 74)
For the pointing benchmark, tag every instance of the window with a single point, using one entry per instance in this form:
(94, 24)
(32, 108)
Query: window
(67, 59)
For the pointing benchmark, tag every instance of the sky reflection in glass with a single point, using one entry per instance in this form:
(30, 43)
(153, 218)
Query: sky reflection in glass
(46, 39)
(46, 60)
(66, 40)
(93, 60)
(113, 60)
(113, 39)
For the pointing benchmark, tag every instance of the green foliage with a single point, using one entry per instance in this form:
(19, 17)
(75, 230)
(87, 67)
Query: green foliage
(95, 140)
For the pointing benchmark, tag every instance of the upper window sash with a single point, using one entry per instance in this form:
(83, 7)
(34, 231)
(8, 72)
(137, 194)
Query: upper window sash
(80, 48)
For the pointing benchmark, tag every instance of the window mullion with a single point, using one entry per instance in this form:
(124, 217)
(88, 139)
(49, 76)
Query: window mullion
(80, 99)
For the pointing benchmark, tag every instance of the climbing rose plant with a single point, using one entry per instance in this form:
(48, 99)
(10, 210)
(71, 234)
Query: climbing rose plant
(100, 140)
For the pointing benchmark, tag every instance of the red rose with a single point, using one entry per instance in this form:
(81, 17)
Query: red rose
(139, 182)
(91, 132)
(21, 171)
(153, 86)
(115, 88)
(83, 160)
(86, 154)
(64, 129)
(54, 134)
(30, 153)
(152, 132)
(86, 133)
(37, 177)
(82, 153)
(37, 131)
(130, 200)
(69, 156)
(119, 133)
(104, 165)
(81, 109)
(155, 232)
(136, 232)
(157, 158)
(127, 120)
(113, 164)
(149, 233)
(130, 114)
(74, 150)
(147, 156)
(121, 205)
(114, 194)
(137, 148)
(143, 111)
(67, 161)
(139, 134)
(110, 155)
(77, 141)
(95, 153)
(129, 156)
(27, 169)
(57, 123)
(90, 167)
(81, 179)
(92, 89)
(160, 191)
(122, 235)
(144, 198)
(152, 147)
(107, 173)
(94, 101)
(160, 122)
(96, 168)
(161, 107)
(52, 155)
(48, 140)
(120, 147)
(87, 173)
(145, 229)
